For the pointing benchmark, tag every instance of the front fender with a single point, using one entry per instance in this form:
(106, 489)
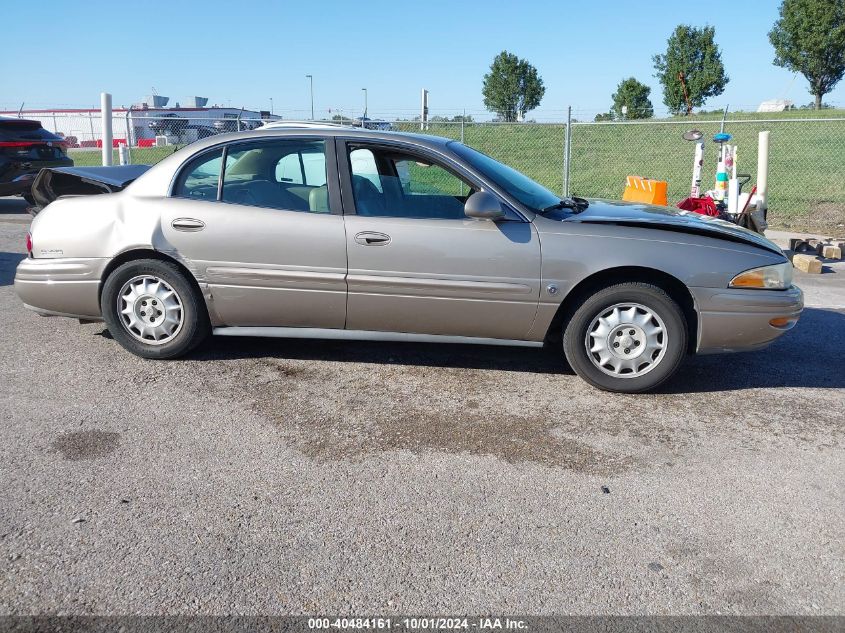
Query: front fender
(572, 253)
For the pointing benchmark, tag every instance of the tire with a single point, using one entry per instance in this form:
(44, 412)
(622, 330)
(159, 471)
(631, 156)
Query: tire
(637, 337)
(153, 310)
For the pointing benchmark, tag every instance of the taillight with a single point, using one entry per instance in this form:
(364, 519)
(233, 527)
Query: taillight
(29, 243)
(19, 143)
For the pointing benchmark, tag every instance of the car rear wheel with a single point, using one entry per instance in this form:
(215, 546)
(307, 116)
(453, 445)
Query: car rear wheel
(152, 309)
(628, 338)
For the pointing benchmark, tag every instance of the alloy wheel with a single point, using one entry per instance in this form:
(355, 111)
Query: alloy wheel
(150, 309)
(626, 340)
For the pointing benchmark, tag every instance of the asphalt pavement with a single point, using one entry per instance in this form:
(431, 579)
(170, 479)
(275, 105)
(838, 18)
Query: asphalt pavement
(270, 476)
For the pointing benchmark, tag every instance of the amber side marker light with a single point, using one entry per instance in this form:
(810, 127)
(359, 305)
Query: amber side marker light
(750, 279)
(783, 322)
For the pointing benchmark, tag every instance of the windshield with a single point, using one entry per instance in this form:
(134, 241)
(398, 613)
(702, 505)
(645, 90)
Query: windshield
(533, 195)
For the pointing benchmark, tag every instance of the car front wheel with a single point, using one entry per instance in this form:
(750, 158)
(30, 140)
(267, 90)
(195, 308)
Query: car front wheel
(152, 310)
(628, 338)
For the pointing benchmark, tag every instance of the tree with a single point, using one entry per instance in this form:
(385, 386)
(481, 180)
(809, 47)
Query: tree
(691, 54)
(809, 38)
(633, 94)
(512, 87)
(604, 116)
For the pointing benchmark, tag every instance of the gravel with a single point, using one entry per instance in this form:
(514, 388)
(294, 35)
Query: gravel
(269, 476)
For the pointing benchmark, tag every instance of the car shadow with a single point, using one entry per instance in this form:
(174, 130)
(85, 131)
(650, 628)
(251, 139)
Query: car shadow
(808, 356)
(8, 264)
(534, 360)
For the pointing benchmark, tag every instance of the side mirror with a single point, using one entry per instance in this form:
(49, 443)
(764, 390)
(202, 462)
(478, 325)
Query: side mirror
(483, 205)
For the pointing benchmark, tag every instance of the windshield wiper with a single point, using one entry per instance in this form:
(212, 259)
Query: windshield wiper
(576, 204)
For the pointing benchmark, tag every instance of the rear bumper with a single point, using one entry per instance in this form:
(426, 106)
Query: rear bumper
(733, 320)
(61, 287)
(21, 184)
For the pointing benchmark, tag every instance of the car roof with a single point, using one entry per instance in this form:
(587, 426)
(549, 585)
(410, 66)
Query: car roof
(286, 124)
(7, 119)
(425, 140)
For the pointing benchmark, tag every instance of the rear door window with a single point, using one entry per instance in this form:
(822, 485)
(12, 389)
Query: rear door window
(289, 175)
(304, 167)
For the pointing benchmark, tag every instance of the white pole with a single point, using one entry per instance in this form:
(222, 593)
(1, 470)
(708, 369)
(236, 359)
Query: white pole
(105, 121)
(763, 170)
(695, 190)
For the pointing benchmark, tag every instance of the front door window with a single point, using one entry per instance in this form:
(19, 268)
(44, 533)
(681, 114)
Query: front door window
(394, 183)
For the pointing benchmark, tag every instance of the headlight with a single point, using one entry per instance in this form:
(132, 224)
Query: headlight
(777, 277)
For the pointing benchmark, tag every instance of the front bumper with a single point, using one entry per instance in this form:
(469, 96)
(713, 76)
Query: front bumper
(733, 320)
(61, 286)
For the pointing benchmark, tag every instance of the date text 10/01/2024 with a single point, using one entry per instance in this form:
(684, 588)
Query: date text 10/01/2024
(417, 624)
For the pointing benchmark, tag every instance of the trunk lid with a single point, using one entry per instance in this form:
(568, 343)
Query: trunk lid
(54, 182)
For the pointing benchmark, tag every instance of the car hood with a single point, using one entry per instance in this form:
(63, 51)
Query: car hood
(666, 219)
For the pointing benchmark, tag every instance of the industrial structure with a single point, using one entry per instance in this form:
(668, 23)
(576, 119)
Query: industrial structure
(140, 124)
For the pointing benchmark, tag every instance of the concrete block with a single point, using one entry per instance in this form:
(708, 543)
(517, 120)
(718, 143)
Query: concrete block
(828, 251)
(807, 264)
(803, 245)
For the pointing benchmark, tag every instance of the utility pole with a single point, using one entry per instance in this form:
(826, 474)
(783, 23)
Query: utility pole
(311, 80)
(364, 118)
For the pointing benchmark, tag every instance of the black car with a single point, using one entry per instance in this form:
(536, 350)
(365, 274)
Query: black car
(26, 147)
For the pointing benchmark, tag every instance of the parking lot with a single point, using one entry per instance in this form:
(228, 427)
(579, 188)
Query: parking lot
(271, 476)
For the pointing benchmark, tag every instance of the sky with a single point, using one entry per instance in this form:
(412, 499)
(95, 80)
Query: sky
(245, 54)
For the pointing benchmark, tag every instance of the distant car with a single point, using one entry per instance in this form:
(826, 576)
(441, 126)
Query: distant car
(372, 124)
(352, 234)
(25, 148)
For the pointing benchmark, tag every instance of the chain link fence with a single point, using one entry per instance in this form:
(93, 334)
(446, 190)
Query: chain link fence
(806, 185)
(806, 168)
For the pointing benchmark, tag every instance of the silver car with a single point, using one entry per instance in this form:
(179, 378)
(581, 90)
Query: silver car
(342, 233)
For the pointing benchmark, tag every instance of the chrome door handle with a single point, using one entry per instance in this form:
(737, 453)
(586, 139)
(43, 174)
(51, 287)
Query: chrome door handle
(372, 238)
(188, 224)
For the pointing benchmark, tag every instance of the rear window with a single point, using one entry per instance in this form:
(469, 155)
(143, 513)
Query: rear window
(19, 124)
(24, 129)
(200, 178)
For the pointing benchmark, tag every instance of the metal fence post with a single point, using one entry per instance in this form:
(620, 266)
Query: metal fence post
(463, 118)
(567, 141)
(128, 135)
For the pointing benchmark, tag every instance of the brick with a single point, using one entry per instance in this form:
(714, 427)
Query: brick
(807, 264)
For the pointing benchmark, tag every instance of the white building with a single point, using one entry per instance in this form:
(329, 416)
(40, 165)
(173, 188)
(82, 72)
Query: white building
(141, 123)
(775, 105)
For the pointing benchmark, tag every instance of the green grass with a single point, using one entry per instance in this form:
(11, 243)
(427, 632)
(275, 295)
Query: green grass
(140, 156)
(806, 169)
(806, 159)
